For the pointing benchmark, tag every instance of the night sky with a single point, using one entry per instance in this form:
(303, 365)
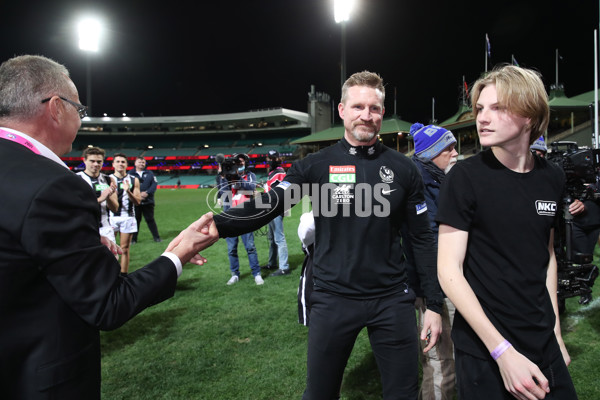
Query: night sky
(190, 58)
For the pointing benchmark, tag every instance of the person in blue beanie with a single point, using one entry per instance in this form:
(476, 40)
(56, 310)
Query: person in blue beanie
(434, 156)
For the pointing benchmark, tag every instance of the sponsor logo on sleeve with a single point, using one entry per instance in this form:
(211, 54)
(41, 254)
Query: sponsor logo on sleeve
(421, 208)
(284, 185)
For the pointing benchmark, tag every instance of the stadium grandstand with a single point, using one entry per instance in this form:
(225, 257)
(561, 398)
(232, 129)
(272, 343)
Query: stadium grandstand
(184, 148)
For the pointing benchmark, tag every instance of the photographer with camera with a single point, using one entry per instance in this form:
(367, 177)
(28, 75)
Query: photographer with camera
(579, 224)
(237, 185)
(586, 222)
(277, 244)
(576, 207)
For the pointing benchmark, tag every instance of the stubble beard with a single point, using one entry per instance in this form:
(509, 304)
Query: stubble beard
(361, 135)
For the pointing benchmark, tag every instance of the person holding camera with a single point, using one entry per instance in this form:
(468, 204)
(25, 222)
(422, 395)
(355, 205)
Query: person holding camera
(237, 185)
(586, 213)
(277, 243)
(586, 221)
(496, 261)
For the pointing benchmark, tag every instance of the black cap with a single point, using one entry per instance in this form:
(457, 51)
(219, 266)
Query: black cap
(273, 154)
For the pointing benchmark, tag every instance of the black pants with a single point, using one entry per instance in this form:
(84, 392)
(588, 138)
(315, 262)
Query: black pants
(148, 211)
(480, 379)
(336, 321)
(584, 239)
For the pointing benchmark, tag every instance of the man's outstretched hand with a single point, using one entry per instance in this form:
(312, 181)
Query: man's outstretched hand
(195, 238)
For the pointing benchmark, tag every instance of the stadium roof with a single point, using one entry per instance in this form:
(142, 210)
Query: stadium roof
(389, 125)
(463, 114)
(235, 122)
(587, 97)
(558, 99)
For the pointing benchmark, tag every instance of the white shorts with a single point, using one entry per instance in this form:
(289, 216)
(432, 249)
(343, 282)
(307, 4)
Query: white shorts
(108, 232)
(124, 224)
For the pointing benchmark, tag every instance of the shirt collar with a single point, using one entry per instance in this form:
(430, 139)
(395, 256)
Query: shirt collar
(44, 151)
(371, 151)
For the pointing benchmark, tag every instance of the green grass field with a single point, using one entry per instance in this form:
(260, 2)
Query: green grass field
(213, 341)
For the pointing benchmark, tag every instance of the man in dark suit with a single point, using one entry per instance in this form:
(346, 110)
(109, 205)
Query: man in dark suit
(59, 285)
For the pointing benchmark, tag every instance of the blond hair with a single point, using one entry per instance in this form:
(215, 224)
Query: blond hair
(520, 91)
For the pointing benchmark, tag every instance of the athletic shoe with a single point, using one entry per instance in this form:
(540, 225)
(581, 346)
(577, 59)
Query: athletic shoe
(268, 266)
(157, 240)
(234, 279)
(259, 280)
(281, 272)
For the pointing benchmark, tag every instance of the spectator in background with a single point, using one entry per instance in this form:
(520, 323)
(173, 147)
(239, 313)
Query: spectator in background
(276, 236)
(103, 185)
(234, 190)
(434, 157)
(59, 285)
(146, 207)
(539, 147)
(128, 196)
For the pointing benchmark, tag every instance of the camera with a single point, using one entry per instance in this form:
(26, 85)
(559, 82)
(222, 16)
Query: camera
(576, 273)
(230, 166)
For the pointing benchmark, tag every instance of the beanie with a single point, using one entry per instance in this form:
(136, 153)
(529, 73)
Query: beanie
(539, 144)
(430, 140)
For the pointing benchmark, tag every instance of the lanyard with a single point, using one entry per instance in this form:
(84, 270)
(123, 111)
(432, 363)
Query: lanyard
(18, 139)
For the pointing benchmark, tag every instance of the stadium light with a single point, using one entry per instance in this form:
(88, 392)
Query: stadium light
(342, 10)
(89, 34)
(89, 30)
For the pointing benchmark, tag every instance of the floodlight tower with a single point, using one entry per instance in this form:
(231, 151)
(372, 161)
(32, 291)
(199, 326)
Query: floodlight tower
(342, 11)
(89, 37)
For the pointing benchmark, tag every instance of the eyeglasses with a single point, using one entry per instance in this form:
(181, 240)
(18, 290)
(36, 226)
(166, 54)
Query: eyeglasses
(81, 109)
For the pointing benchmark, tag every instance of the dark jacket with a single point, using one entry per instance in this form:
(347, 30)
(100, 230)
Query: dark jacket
(433, 177)
(147, 184)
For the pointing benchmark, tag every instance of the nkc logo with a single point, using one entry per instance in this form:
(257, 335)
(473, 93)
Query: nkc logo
(545, 207)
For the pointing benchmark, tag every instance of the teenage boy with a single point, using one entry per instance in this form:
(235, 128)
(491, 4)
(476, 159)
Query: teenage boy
(496, 257)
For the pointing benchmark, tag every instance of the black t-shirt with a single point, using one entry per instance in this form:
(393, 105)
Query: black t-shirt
(509, 217)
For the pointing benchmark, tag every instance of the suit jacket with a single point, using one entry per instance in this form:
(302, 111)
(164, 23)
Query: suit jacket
(148, 184)
(58, 284)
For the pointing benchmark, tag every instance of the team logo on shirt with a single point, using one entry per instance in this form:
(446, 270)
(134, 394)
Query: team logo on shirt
(386, 174)
(342, 173)
(545, 207)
